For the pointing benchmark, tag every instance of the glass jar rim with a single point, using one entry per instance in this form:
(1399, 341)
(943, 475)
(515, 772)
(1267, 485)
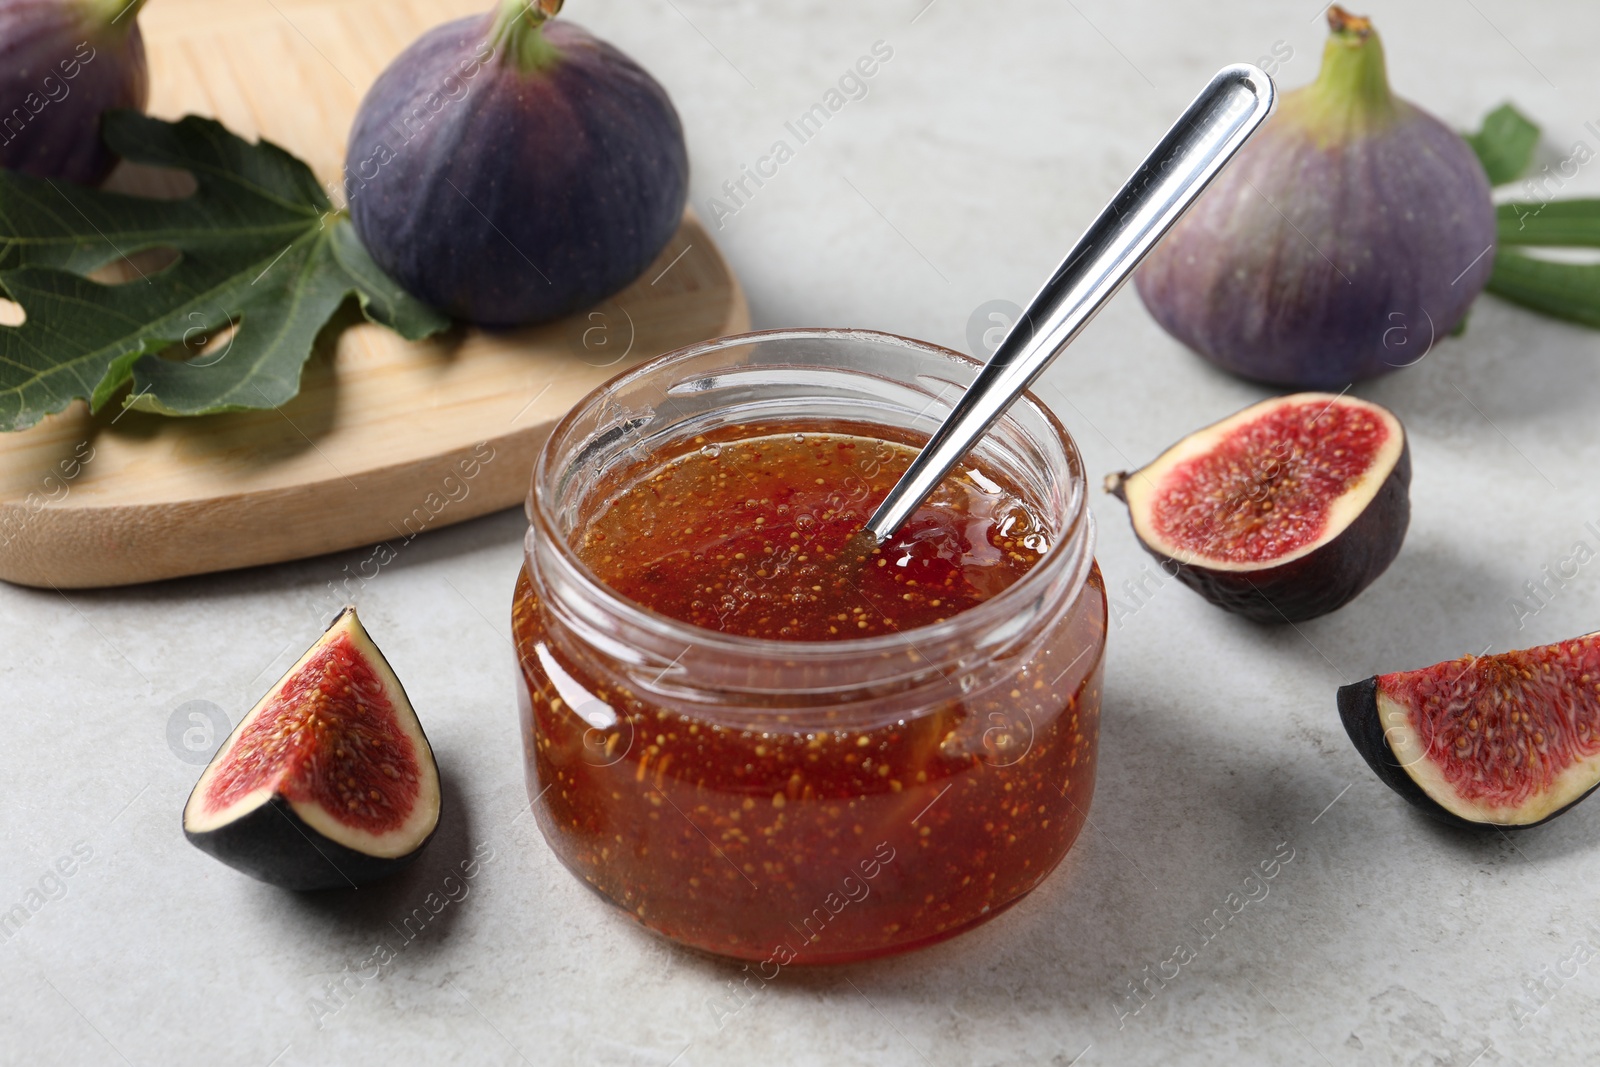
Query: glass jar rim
(1078, 525)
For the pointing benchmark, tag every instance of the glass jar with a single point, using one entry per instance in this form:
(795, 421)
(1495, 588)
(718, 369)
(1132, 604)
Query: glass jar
(807, 802)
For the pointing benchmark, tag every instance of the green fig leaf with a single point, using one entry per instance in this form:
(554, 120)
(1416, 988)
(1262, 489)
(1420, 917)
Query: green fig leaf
(1568, 291)
(260, 251)
(1504, 143)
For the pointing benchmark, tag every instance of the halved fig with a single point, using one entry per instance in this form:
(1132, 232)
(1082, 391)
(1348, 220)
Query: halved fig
(1280, 513)
(1508, 740)
(328, 781)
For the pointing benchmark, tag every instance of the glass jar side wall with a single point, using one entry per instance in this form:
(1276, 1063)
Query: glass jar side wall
(789, 844)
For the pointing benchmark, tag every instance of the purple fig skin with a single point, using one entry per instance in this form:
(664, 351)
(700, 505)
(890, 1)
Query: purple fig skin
(64, 63)
(508, 197)
(1322, 256)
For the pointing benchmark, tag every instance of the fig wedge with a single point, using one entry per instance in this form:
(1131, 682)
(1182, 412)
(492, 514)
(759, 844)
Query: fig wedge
(1509, 740)
(328, 782)
(1282, 512)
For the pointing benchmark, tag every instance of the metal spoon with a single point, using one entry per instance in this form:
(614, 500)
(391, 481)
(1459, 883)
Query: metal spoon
(1200, 143)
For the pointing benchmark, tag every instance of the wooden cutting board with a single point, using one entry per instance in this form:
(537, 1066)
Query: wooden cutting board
(387, 438)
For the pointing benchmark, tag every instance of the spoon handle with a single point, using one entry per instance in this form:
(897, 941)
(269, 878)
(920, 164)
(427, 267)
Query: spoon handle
(1194, 150)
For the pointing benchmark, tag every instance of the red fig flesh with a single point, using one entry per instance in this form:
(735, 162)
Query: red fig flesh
(328, 781)
(1282, 512)
(1351, 233)
(1506, 740)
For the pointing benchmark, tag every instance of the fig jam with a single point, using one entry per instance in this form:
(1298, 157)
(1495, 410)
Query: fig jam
(741, 818)
(746, 537)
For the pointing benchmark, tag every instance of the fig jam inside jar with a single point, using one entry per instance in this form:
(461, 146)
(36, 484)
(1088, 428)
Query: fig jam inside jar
(766, 753)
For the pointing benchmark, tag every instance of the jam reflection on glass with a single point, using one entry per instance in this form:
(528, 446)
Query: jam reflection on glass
(810, 838)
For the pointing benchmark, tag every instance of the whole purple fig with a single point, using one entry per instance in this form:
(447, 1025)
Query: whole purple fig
(1353, 231)
(63, 63)
(509, 170)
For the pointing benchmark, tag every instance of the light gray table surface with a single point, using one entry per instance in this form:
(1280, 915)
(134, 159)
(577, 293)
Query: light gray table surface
(981, 148)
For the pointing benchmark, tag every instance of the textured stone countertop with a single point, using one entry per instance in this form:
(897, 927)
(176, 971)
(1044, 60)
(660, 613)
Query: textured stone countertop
(984, 144)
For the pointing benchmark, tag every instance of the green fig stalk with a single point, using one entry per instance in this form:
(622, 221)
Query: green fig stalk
(518, 33)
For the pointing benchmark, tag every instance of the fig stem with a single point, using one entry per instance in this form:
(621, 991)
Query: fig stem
(519, 33)
(1351, 94)
(1341, 21)
(117, 15)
